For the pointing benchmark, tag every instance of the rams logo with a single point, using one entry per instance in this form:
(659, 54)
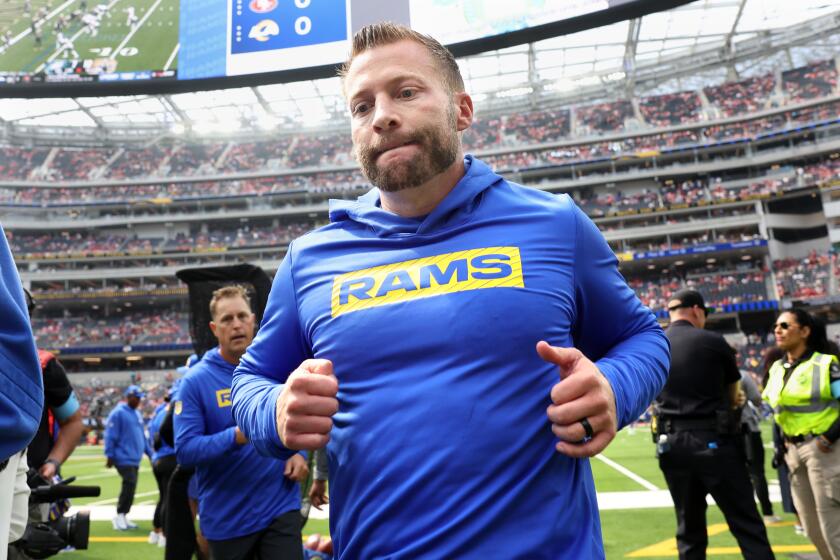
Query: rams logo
(223, 398)
(179, 406)
(476, 269)
(264, 30)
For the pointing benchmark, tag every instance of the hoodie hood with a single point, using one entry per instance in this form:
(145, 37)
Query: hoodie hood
(454, 209)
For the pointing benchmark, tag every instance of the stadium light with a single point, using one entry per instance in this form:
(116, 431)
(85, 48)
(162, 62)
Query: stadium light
(178, 128)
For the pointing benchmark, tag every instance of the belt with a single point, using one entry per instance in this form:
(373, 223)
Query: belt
(689, 424)
(801, 438)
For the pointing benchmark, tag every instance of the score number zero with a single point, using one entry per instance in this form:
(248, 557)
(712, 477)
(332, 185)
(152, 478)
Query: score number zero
(303, 24)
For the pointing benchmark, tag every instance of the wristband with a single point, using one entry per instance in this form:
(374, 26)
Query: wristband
(54, 463)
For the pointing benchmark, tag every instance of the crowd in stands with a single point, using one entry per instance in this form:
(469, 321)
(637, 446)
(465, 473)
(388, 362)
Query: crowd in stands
(536, 127)
(93, 243)
(301, 150)
(804, 278)
(19, 163)
(745, 96)
(720, 286)
(597, 203)
(193, 159)
(605, 117)
(809, 82)
(671, 109)
(134, 329)
(688, 239)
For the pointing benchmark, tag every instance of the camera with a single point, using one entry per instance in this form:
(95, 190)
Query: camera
(49, 530)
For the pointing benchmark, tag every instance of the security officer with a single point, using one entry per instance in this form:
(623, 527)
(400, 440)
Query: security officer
(803, 388)
(697, 434)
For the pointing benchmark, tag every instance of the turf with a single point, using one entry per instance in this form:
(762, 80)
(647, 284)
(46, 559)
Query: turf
(148, 47)
(635, 533)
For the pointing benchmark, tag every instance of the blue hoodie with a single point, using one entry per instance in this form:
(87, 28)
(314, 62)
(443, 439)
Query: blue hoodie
(21, 385)
(154, 427)
(125, 436)
(239, 491)
(441, 447)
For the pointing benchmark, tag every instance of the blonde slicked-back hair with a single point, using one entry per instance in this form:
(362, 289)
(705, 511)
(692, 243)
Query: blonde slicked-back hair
(225, 292)
(386, 33)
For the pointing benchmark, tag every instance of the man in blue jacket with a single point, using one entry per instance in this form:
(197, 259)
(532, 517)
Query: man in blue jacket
(463, 343)
(249, 505)
(21, 392)
(125, 443)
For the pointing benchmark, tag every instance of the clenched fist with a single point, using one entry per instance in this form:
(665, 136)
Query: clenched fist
(583, 393)
(306, 405)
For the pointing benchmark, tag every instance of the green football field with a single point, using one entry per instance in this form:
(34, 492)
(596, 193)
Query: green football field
(149, 44)
(628, 465)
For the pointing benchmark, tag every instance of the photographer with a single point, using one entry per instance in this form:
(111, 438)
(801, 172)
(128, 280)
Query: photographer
(61, 426)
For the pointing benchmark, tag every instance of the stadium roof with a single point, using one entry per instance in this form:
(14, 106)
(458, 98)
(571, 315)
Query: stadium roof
(704, 42)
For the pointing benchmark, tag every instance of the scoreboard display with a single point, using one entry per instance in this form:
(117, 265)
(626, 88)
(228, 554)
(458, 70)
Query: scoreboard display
(64, 42)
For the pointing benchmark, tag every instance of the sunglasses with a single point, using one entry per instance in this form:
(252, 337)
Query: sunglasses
(784, 325)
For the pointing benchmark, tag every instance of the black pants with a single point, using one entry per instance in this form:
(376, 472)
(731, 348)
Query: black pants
(178, 525)
(280, 540)
(162, 468)
(129, 485)
(754, 447)
(700, 463)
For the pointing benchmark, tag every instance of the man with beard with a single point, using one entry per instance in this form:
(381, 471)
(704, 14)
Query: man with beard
(463, 343)
(249, 505)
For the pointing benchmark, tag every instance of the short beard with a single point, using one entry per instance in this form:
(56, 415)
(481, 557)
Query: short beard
(438, 150)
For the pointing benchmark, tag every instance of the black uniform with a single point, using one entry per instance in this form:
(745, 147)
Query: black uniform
(57, 391)
(701, 453)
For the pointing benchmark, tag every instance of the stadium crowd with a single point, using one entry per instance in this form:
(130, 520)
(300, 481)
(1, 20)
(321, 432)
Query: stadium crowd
(302, 151)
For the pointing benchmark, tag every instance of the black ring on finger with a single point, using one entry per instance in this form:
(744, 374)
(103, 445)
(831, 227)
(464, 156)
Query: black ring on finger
(587, 427)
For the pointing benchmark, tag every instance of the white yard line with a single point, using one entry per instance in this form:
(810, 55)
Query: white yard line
(107, 472)
(114, 500)
(116, 52)
(51, 15)
(626, 472)
(172, 57)
(73, 38)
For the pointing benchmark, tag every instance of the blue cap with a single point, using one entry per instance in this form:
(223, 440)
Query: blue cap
(134, 391)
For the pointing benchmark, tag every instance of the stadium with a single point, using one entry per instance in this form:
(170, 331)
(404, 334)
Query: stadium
(702, 138)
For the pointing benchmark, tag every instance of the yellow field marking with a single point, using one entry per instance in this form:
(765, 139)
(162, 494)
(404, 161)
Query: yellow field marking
(142, 539)
(668, 547)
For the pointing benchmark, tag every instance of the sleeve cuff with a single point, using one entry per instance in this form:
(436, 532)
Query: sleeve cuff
(68, 409)
(611, 373)
(269, 426)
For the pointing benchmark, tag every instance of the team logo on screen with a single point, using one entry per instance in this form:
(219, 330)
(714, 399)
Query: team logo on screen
(461, 271)
(264, 30)
(262, 6)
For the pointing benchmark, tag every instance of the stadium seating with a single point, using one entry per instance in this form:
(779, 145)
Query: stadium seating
(809, 82)
(745, 96)
(671, 109)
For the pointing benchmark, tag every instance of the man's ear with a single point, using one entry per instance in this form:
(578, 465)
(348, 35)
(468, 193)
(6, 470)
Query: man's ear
(464, 111)
(213, 327)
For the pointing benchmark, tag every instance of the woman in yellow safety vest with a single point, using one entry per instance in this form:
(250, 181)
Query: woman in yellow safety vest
(803, 388)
